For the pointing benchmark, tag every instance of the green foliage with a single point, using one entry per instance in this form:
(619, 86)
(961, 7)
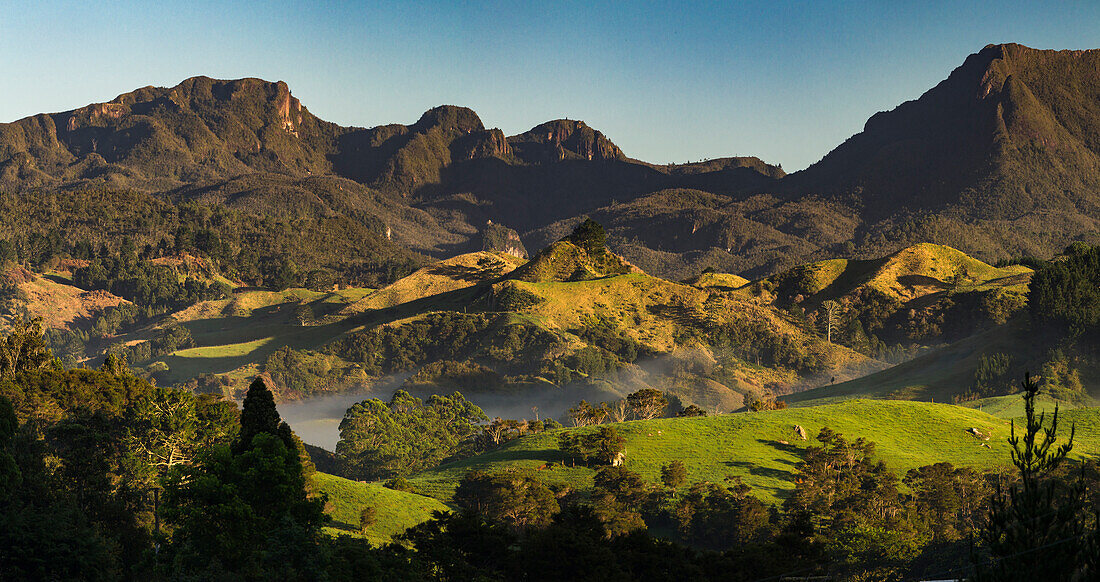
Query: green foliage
(674, 474)
(719, 517)
(590, 236)
(93, 224)
(243, 511)
(367, 518)
(604, 333)
(1036, 528)
(755, 341)
(513, 498)
(600, 447)
(647, 403)
(259, 415)
(1065, 292)
(511, 297)
(302, 373)
(90, 447)
(23, 349)
(992, 376)
(691, 410)
(441, 336)
(405, 435)
(154, 287)
(949, 500)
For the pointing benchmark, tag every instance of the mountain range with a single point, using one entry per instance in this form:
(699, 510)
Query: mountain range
(1000, 159)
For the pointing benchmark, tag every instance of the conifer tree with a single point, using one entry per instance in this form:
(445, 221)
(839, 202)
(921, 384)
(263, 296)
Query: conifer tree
(258, 415)
(1037, 526)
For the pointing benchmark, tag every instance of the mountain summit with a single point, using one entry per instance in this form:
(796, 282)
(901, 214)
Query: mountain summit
(1011, 131)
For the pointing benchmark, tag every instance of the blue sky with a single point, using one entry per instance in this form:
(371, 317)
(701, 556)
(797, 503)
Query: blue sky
(666, 81)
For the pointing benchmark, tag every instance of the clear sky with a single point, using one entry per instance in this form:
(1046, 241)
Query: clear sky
(666, 81)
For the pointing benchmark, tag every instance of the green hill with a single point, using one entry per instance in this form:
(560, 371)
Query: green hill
(395, 511)
(762, 448)
(572, 315)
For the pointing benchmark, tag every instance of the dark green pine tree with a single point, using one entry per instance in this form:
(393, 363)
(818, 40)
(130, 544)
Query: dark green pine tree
(590, 236)
(1038, 528)
(245, 513)
(258, 415)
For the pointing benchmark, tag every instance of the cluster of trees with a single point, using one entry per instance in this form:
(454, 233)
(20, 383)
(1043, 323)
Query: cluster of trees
(600, 447)
(380, 440)
(502, 430)
(156, 288)
(1064, 292)
(258, 249)
(82, 453)
(442, 336)
(642, 404)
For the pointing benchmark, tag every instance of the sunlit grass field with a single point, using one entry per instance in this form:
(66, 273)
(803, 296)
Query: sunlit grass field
(396, 511)
(763, 448)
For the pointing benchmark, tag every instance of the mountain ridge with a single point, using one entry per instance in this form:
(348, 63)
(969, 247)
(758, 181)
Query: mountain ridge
(1000, 159)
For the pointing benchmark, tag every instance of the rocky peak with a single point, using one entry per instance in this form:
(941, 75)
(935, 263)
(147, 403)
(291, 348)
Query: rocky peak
(564, 139)
(483, 144)
(449, 117)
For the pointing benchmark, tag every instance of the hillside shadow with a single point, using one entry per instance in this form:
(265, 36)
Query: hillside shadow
(921, 281)
(854, 274)
(469, 274)
(788, 448)
(757, 470)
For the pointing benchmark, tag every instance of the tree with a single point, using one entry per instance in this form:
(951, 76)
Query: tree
(380, 440)
(1037, 528)
(674, 474)
(830, 312)
(948, 499)
(244, 512)
(590, 236)
(367, 517)
(691, 411)
(24, 349)
(603, 445)
(647, 403)
(511, 497)
(161, 429)
(258, 414)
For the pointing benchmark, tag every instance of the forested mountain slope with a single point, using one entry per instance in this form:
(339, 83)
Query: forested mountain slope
(998, 160)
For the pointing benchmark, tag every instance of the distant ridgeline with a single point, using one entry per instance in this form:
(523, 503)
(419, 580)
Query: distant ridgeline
(998, 160)
(214, 228)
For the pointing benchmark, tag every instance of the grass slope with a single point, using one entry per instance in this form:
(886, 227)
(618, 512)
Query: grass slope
(910, 274)
(908, 435)
(396, 511)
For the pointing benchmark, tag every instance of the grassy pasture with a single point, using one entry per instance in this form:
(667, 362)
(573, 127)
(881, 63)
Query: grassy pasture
(396, 511)
(763, 448)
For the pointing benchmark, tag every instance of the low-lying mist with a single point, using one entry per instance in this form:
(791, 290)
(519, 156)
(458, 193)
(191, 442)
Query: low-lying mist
(689, 374)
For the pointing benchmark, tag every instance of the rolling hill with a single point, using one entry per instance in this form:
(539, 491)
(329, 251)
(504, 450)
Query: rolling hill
(762, 448)
(395, 511)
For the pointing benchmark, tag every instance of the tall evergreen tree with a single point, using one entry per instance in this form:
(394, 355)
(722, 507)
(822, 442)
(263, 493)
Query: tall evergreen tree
(245, 513)
(1037, 527)
(258, 415)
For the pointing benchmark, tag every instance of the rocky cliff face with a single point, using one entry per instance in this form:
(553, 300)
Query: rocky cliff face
(156, 138)
(499, 238)
(563, 139)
